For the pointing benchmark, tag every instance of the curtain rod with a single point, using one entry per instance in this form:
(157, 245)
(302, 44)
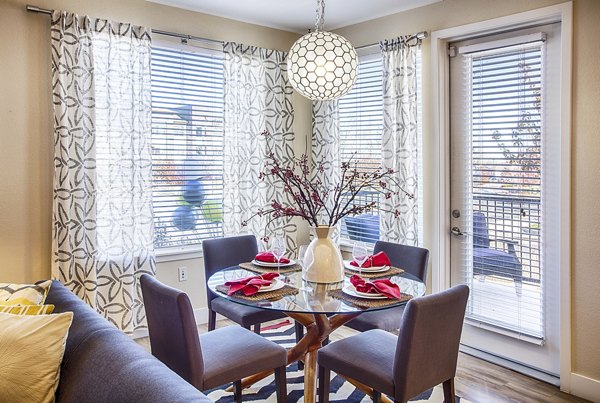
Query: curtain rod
(36, 9)
(418, 35)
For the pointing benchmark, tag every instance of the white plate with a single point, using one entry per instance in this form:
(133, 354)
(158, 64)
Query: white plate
(276, 285)
(267, 264)
(350, 290)
(373, 269)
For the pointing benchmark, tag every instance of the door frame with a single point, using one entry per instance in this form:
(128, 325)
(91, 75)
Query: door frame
(441, 172)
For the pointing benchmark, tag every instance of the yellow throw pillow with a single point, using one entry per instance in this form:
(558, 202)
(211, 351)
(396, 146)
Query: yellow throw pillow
(24, 294)
(31, 351)
(27, 309)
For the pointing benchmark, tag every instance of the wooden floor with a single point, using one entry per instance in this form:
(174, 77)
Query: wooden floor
(476, 380)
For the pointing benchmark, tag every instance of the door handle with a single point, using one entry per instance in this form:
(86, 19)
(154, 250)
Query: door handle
(456, 231)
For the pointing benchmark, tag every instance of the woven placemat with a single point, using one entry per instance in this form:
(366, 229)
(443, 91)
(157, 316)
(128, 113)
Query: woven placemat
(260, 269)
(367, 303)
(392, 271)
(261, 296)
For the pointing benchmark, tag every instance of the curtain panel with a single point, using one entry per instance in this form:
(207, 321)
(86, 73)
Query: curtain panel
(102, 208)
(400, 138)
(325, 156)
(258, 96)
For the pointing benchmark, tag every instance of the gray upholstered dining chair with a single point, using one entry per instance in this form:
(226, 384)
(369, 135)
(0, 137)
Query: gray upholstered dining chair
(423, 355)
(211, 359)
(414, 261)
(220, 253)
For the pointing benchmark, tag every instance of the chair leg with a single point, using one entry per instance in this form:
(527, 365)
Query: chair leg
(299, 331)
(237, 391)
(281, 384)
(212, 320)
(299, 335)
(376, 396)
(449, 393)
(324, 375)
(257, 328)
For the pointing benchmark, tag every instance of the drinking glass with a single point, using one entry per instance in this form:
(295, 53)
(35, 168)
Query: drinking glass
(301, 256)
(360, 255)
(278, 249)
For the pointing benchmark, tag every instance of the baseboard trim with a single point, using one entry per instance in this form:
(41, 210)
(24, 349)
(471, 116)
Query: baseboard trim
(587, 388)
(515, 366)
(201, 316)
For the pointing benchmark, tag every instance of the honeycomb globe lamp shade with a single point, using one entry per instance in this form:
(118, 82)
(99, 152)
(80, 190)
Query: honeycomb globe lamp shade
(322, 65)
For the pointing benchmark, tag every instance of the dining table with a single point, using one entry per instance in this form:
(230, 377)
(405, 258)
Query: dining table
(320, 308)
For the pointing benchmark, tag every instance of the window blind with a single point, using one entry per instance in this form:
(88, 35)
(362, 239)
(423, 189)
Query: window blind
(361, 126)
(506, 186)
(187, 145)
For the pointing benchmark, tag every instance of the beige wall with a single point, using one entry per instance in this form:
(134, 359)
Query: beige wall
(585, 224)
(26, 128)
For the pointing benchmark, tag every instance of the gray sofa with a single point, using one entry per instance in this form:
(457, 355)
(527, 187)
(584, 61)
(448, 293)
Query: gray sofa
(101, 364)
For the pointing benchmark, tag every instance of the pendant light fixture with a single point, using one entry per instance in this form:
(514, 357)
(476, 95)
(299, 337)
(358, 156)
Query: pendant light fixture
(322, 65)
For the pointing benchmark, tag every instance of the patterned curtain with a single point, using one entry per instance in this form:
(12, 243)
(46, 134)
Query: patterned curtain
(258, 96)
(102, 218)
(326, 145)
(399, 141)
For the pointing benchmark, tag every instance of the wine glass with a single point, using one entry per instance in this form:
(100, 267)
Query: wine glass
(360, 255)
(278, 249)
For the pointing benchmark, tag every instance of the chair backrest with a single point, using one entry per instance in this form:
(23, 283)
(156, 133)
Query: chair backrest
(428, 341)
(220, 253)
(172, 329)
(410, 258)
(481, 236)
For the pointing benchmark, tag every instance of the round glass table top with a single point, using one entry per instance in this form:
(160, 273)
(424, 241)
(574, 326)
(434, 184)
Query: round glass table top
(311, 297)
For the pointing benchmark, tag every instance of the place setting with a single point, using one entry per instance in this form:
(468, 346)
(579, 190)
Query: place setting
(377, 265)
(272, 260)
(370, 294)
(266, 286)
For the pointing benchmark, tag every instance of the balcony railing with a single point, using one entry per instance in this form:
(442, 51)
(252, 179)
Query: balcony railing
(517, 219)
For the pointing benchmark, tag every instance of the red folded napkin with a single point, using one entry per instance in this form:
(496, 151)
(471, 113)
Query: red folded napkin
(378, 259)
(383, 286)
(268, 257)
(250, 285)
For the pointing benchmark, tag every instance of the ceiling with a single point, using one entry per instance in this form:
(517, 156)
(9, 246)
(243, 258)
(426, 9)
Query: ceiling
(298, 15)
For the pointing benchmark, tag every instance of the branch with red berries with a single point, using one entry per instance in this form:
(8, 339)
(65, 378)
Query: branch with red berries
(310, 195)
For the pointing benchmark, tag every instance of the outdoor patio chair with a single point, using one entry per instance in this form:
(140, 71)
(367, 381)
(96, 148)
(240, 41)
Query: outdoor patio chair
(488, 261)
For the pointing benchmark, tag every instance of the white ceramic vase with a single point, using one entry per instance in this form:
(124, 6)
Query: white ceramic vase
(323, 261)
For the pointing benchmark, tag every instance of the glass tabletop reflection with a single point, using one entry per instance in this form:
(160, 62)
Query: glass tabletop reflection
(311, 297)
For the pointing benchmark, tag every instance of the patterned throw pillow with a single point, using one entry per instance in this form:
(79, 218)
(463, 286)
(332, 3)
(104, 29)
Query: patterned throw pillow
(31, 351)
(24, 294)
(27, 309)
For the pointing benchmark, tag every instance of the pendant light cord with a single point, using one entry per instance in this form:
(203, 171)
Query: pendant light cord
(320, 15)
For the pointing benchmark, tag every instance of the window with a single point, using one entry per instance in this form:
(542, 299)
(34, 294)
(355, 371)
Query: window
(506, 187)
(187, 145)
(361, 124)
(361, 127)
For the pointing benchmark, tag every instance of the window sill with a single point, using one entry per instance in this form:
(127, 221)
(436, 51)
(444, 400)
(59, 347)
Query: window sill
(181, 253)
(346, 245)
